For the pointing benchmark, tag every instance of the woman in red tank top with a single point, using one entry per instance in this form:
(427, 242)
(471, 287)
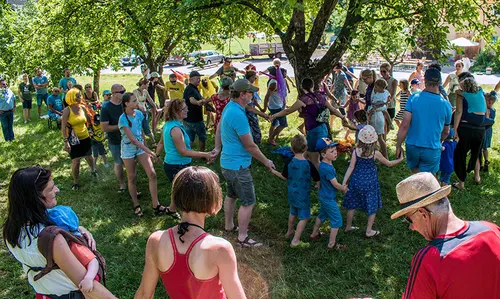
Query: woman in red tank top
(190, 262)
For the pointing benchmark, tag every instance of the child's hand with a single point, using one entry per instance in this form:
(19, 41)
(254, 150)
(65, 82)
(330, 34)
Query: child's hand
(86, 285)
(344, 188)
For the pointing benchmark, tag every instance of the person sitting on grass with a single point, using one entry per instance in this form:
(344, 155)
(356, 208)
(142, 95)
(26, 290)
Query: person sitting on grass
(298, 171)
(190, 262)
(328, 206)
(65, 218)
(364, 186)
(55, 105)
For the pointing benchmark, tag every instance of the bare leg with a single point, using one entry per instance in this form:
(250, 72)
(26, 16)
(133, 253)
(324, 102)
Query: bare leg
(202, 146)
(120, 175)
(291, 224)
(131, 167)
(271, 133)
(477, 176)
(277, 132)
(75, 169)
(350, 215)
(39, 111)
(333, 237)
(347, 132)
(90, 162)
(298, 231)
(369, 227)
(104, 159)
(317, 224)
(383, 146)
(228, 212)
(398, 123)
(244, 215)
(29, 114)
(25, 114)
(148, 167)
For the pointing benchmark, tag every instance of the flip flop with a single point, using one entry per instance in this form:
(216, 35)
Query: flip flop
(377, 233)
(353, 228)
(247, 244)
(455, 186)
(300, 245)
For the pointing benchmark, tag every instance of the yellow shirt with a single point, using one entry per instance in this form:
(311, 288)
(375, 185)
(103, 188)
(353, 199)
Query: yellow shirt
(79, 123)
(174, 91)
(98, 133)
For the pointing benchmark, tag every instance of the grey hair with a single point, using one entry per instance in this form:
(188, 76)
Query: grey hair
(439, 207)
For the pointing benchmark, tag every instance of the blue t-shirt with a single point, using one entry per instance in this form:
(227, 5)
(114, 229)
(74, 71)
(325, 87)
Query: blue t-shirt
(41, 80)
(446, 163)
(430, 113)
(56, 102)
(326, 173)
(299, 174)
(234, 124)
(135, 126)
(172, 156)
(7, 100)
(63, 83)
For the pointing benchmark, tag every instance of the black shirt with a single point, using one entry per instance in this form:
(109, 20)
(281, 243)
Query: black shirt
(152, 89)
(111, 113)
(195, 112)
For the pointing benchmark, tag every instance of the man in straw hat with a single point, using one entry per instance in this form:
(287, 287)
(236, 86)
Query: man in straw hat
(462, 259)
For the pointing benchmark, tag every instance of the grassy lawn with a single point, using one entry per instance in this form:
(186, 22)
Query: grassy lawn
(239, 45)
(368, 268)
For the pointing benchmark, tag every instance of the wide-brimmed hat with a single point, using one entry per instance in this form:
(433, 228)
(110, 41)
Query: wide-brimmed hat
(417, 191)
(368, 135)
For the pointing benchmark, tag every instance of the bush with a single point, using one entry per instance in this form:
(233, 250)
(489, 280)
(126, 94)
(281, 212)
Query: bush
(486, 59)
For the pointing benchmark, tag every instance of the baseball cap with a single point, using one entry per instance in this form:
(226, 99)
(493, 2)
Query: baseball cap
(226, 82)
(432, 76)
(107, 91)
(415, 81)
(155, 75)
(194, 74)
(324, 143)
(243, 85)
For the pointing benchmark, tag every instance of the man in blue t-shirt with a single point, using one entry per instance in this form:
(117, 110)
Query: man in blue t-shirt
(40, 82)
(234, 137)
(55, 104)
(63, 83)
(426, 123)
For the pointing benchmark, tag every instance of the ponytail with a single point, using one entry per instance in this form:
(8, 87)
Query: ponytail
(125, 99)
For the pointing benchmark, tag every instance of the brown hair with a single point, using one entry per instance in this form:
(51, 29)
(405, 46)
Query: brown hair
(173, 108)
(299, 144)
(367, 149)
(196, 189)
(368, 72)
(381, 83)
(470, 85)
(405, 84)
(142, 82)
(386, 66)
(250, 73)
(235, 94)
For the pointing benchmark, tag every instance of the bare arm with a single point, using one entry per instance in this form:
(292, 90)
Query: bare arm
(278, 174)
(296, 106)
(334, 111)
(348, 84)
(412, 76)
(180, 145)
(458, 113)
(383, 160)
(151, 274)
(338, 186)
(159, 146)
(106, 127)
(86, 285)
(403, 131)
(350, 169)
(266, 98)
(256, 111)
(447, 81)
(254, 150)
(74, 270)
(497, 87)
(136, 142)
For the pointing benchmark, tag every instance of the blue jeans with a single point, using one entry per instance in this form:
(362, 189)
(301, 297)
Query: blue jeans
(7, 120)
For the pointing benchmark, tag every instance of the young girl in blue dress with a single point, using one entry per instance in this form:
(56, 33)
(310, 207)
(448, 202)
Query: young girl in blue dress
(364, 187)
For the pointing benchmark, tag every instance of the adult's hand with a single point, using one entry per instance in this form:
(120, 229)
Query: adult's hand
(87, 235)
(270, 164)
(399, 151)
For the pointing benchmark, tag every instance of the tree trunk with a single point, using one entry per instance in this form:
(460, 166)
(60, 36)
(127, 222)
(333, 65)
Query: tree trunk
(96, 72)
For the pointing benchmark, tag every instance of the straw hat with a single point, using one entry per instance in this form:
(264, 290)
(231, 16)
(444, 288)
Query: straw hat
(419, 190)
(368, 135)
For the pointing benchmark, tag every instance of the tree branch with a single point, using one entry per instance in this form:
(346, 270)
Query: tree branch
(417, 12)
(299, 24)
(319, 24)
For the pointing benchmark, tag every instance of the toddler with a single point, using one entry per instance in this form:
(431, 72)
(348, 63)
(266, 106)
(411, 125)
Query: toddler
(446, 164)
(65, 218)
(380, 98)
(360, 121)
(415, 84)
(298, 172)
(491, 98)
(352, 105)
(403, 94)
(364, 186)
(328, 206)
(97, 141)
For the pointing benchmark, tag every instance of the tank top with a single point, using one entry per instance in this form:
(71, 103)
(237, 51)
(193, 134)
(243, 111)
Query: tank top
(454, 85)
(79, 123)
(180, 282)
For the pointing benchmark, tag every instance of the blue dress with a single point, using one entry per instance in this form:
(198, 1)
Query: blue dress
(364, 187)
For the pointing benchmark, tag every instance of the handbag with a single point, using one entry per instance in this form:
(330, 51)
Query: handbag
(72, 138)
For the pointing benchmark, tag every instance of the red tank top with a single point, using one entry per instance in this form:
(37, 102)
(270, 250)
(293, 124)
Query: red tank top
(180, 282)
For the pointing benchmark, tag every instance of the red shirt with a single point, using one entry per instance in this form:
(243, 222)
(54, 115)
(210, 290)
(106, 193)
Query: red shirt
(181, 283)
(464, 264)
(219, 107)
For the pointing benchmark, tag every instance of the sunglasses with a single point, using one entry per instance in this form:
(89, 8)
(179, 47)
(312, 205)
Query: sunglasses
(383, 71)
(121, 91)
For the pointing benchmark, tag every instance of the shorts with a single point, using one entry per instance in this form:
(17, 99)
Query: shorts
(83, 149)
(130, 151)
(196, 129)
(303, 213)
(445, 177)
(240, 185)
(115, 150)
(423, 159)
(172, 169)
(330, 210)
(488, 135)
(40, 97)
(280, 121)
(314, 135)
(98, 149)
(392, 112)
(27, 104)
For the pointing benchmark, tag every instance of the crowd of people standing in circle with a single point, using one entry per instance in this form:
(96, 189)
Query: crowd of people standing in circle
(439, 130)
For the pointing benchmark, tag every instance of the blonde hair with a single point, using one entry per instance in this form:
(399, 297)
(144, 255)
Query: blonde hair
(71, 96)
(381, 83)
(367, 149)
(470, 85)
(368, 72)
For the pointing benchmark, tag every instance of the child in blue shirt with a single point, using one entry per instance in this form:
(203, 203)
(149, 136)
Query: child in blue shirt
(446, 164)
(298, 172)
(491, 98)
(328, 206)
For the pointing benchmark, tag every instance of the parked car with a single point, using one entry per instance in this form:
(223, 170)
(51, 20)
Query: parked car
(208, 57)
(133, 60)
(177, 60)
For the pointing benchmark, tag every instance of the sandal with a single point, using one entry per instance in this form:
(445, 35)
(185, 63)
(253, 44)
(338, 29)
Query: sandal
(138, 211)
(235, 229)
(317, 237)
(248, 244)
(337, 246)
(300, 245)
(160, 209)
(377, 233)
(455, 185)
(353, 228)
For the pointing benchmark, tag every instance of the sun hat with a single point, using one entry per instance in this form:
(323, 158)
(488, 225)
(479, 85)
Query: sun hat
(417, 191)
(194, 74)
(155, 75)
(324, 143)
(242, 85)
(368, 135)
(432, 76)
(105, 92)
(415, 81)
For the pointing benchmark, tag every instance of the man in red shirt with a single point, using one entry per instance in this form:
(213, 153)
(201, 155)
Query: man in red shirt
(462, 259)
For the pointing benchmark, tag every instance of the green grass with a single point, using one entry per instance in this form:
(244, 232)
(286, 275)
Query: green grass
(368, 268)
(239, 45)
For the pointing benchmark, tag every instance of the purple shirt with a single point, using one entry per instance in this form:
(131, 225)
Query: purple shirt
(314, 103)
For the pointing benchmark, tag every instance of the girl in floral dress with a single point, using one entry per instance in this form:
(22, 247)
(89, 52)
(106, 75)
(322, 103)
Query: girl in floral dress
(221, 99)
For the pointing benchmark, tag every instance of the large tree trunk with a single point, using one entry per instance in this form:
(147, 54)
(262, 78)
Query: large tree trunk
(96, 72)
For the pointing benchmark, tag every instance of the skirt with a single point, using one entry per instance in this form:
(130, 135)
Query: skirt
(83, 149)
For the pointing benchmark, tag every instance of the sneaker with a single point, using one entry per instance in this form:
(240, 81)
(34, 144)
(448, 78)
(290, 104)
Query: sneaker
(75, 187)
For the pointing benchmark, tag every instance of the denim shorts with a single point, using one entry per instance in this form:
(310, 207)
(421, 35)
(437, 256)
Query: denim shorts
(280, 121)
(98, 149)
(196, 129)
(303, 213)
(330, 210)
(422, 158)
(40, 97)
(115, 150)
(240, 185)
(130, 151)
(172, 169)
(314, 135)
